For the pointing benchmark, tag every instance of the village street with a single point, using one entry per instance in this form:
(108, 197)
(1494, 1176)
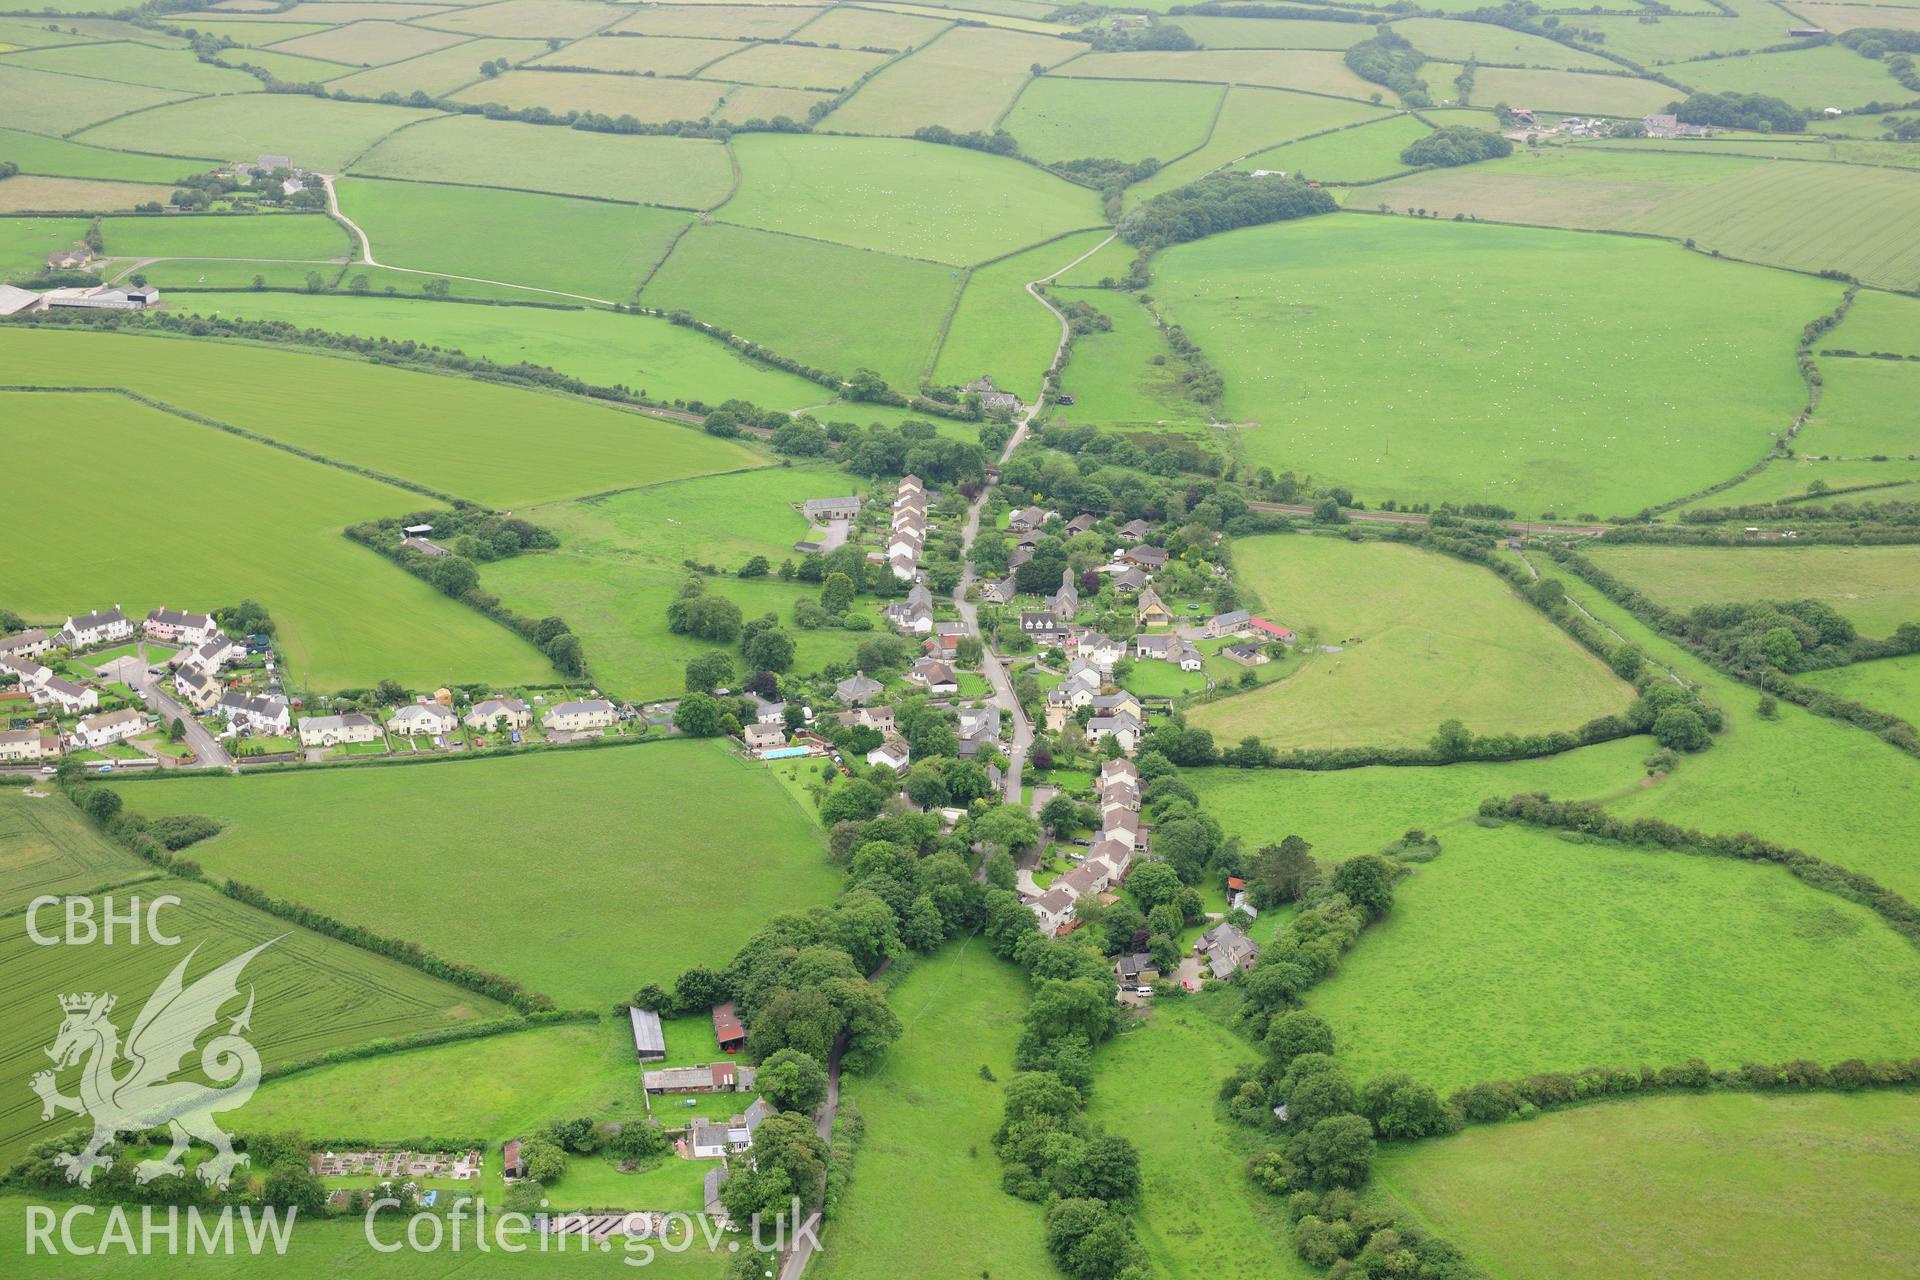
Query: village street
(990, 662)
(132, 672)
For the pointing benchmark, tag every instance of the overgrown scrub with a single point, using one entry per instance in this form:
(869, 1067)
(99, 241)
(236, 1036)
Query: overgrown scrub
(1390, 59)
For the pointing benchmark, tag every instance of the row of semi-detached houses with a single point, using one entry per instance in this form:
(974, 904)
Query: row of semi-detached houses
(1112, 854)
(907, 535)
(436, 719)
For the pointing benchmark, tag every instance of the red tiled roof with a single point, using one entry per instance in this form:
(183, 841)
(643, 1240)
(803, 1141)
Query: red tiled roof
(1272, 628)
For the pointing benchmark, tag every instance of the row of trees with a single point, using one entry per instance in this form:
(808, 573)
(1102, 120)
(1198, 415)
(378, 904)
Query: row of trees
(1220, 202)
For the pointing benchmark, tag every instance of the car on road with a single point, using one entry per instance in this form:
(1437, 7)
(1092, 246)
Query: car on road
(47, 768)
(103, 768)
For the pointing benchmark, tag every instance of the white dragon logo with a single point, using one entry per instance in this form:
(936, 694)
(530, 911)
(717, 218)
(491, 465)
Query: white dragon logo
(146, 1096)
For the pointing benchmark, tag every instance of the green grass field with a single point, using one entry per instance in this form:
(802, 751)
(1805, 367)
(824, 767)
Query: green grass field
(1311, 70)
(514, 447)
(542, 18)
(312, 993)
(744, 103)
(1568, 91)
(1877, 588)
(665, 361)
(686, 173)
(793, 66)
(660, 55)
(925, 1180)
(47, 102)
(620, 565)
(1458, 41)
(277, 235)
(312, 133)
(1252, 33)
(1361, 154)
(513, 236)
(1884, 322)
(1517, 951)
(943, 204)
(368, 44)
(730, 21)
(498, 1087)
(561, 858)
(46, 847)
(1817, 1178)
(653, 101)
(999, 329)
(963, 80)
(31, 193)
(36, 153)
(1866, 410)
(1828, 76)
(1887, 684)
(1788, 478)
(1251, 119)
(435, 73)
(1059, 119)
(1423, 639)
(1156, 1084)
(1448, 361)
(1112, 376)
(345, 618)
(136, 64)
(792, 295)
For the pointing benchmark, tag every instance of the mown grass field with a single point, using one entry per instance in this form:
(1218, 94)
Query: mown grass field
(662, 360)
(651, 101)
(1789, 478)
(1157, 1084)
(311, 993)
(1516, 951)
(513, 236)
(1352, 811)
(46, 847)
(435, 73)
(496, 1087)
(542, 18)
(480, 441)
(1254, 33)
(1312, 70)
(1876, 322)
(745, 103)
(31, 193)
(795, 297)
(345, 618)
(862, 28)
(1058, 119)
(926, 1182)
(1828, 76)
(915, 199)
(554, 861)
(1867, 410)
(999, 329)
(1603, 95)
(734, 21)
(1251, 119)
(1886, 684)
(37, 153)
(1421, 360)
(620, 566)
(793, 66)
(1360, 154)
(1423, 639)
(47, 102)
(687, 173)
(661, 55)
(368, 44)
(1112, 375)
(1877, 588)
(312, 133)
(136, 64)
(963, 80)
(275, 235)
(1823, 1179)
(1458, 41)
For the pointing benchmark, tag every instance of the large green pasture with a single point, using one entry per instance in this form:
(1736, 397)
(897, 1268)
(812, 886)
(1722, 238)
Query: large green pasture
(1361, 154)
(33, 192)
(1422, 639)
(311, 993)
(1251, 119)
(647, 99)
(1112, 375)
(1458, 41)
(369, 44)
(136, 64)
(345, 617)
(48, 102)
(37, 153)
(305, 236)
(436, 73)
(999, 328)
(798, 297)
(1876, 322)
(925, 1180)
(962, 80)
(586, 247)
(721, 21)
(620, 565)
(687, 173)
(1716, 1187)
(477, 440)
(1059, 119)
(916, 199)
(47, 847)
(497, 1087)
(1422, 360)
(1868, 408)
(582, 873)
(661, 360)
(1877, 588)
(793, 66)
(1157, 1084)
(1789, 478)
(1516, 951)
(1887, 684)
(1310, 70)
(312, 132)
(1829, 75)
(1603, 95)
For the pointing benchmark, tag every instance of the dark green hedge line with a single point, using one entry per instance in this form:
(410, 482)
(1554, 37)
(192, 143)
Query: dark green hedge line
(423, 1040)
(1493, 1101)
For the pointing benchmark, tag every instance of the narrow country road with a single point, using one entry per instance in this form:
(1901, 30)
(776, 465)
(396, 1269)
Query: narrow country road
(207, 751)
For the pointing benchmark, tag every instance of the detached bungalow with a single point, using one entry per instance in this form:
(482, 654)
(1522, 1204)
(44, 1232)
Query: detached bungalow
(1131, 580)
(98, 731)
(499, 713)
(893, 753)
(423, 718)
(330, 731)
(1146, 557)
(857, 688)
(90, 629)
(933, 675)
(580, 717)
(709, 1141)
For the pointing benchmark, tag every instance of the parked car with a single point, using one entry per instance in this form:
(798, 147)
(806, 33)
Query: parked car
(47, 768)
(103, 768)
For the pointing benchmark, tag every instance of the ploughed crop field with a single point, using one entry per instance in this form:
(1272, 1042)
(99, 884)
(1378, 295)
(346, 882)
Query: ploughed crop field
(1421, 382)
(1407, 640)
(467, 890)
